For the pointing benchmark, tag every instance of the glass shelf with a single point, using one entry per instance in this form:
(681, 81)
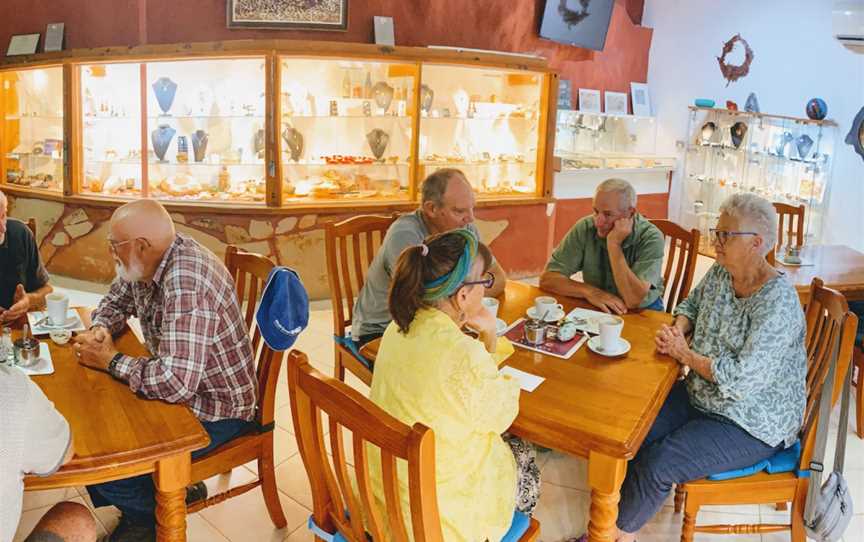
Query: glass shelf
(202, 164)
(205, 117)
(30, 100)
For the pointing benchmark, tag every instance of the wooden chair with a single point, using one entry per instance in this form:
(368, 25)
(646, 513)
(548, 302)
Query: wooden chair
(829, 321)
(250, 270)
(351, 246)
(790, 219)
(338, 504)
(31, 223)
(793, 219)
(858, 363)
(680, 259)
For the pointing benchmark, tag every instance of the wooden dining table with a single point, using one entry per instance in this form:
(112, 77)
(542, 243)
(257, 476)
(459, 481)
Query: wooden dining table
(840, 267)
(117, 434)
(591, 406)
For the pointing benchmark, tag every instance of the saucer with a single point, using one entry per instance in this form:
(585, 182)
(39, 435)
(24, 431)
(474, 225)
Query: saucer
(594, 346)
(500, 326)
(71, 321)
(553, 316)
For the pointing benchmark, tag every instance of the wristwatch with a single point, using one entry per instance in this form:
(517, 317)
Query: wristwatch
(113, 363)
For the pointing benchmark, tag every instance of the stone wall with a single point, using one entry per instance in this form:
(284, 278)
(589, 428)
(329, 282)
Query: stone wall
(73, 239)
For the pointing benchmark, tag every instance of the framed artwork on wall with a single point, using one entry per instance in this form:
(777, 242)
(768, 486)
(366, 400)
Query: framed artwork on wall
(286, 14)
(641, 99)
(565, 94)
(589, 100)
(616, 103)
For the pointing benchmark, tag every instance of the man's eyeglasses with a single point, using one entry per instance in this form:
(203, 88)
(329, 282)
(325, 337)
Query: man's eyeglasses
(487, 281)
(112, 245)
(721, 236)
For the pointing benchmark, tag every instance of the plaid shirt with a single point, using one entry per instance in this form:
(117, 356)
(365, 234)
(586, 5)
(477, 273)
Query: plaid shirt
(202, 355)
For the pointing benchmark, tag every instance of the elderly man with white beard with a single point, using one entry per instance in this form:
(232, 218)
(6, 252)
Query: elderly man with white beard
(201, 354)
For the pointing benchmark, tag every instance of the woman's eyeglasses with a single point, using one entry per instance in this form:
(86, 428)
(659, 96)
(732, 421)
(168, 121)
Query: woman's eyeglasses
(487, 281)
(721, 236)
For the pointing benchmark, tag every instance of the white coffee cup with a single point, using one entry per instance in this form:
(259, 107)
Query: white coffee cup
(543, 304)
(610, 332)
(491, 305)
(58, 306)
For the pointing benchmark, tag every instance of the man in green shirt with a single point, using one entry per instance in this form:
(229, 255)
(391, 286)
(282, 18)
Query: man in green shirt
(618, 251)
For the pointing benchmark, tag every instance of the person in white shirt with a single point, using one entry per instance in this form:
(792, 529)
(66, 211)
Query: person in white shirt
(35, 439)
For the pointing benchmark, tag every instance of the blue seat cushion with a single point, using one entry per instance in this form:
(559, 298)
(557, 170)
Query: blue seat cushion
(783, 461)
(352, 347)
(518, 526)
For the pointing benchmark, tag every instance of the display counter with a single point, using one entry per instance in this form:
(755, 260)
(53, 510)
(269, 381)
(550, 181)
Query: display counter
(257, 143)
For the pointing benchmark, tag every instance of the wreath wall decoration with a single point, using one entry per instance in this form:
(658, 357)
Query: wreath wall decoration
(572, 17)
(732, 72)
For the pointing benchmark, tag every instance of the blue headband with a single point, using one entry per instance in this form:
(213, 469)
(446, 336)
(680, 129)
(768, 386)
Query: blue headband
(447, 284)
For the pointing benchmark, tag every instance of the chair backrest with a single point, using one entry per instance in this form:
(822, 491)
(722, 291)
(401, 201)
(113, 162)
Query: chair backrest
(351, 246)
(31, 223)
(680, 265)
(337, 505)
(829, 323)
(793, 219)
(250, 272)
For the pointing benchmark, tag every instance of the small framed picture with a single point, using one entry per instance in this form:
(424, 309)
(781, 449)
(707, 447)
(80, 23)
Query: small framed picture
(589, 100)
(565, 94)
(54, 37)
(641, 99)
(23, 44)
(616, 103)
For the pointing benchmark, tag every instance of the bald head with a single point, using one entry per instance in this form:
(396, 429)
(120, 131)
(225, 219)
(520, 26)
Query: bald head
(144, 218)
(140, 233)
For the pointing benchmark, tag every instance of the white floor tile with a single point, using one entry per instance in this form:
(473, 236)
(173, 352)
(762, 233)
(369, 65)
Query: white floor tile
(855, 531)
(292, 481)
(666, 526)
(562, 512)
(284, 446)
(50, 497)
(245, 518)
(567, 471)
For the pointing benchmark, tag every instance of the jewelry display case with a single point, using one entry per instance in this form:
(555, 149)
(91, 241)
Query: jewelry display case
(783, 159)
(276, 124)
(605, 141)
(31, 128)
(202, 136)
(346, 130)
(486, 122)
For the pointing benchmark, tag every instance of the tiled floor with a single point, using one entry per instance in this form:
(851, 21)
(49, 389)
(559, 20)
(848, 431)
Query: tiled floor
(563, 506)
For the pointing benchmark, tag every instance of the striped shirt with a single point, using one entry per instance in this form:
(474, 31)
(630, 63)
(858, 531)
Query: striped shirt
(201, 352)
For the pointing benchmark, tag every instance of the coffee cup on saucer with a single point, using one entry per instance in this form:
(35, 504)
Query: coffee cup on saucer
(57, 304)
(545, 303)
(610, 332)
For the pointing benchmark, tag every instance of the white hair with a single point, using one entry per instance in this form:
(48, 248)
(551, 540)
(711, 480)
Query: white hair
(625, 189)
(754, 213)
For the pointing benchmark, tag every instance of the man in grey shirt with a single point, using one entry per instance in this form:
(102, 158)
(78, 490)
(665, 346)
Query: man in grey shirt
(447, 204)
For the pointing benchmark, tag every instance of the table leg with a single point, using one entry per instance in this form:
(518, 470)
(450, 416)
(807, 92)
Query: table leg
(605, 476)
(171, 478)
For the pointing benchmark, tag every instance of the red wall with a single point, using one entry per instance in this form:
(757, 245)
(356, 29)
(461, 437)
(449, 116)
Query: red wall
(502, 25)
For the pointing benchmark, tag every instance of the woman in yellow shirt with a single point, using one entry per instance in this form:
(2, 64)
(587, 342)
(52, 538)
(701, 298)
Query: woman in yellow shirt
(427, 370)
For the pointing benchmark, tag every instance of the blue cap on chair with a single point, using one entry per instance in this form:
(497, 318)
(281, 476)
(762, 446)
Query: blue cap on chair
(284, 309)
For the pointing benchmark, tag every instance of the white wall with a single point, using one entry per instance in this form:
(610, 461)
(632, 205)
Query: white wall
(795, 58)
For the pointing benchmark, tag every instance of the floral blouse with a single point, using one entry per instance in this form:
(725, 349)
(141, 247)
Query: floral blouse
(756, 347)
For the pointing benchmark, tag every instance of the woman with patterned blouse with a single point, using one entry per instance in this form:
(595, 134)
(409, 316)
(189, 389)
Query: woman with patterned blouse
(743, 399)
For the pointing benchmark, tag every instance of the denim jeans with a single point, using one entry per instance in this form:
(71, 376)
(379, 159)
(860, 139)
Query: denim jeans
(684, 444)
(136, 497)
(657, 305)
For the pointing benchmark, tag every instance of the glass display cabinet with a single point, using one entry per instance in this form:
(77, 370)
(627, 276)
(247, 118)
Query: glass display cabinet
(202, 137)
(486, 122)
(606, 141)
(346, 129)
(31, 128)
(783, 159)
(298, 124)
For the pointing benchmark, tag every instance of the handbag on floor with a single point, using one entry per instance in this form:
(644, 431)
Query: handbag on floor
(828, 510)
